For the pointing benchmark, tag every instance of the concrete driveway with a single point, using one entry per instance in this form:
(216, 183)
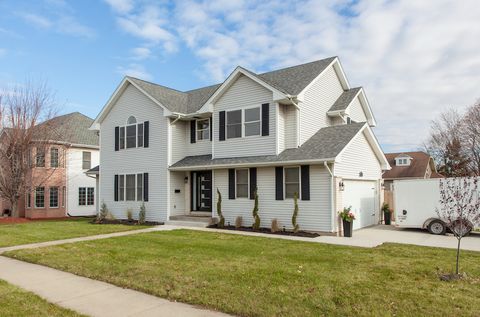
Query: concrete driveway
(374, 236)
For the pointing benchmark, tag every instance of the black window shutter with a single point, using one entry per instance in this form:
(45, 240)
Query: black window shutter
(231, 183)
(305, 179)
(146, 133)
(253, 182)
(211, 129)
(265, 119)
(117, 138)
(193, 131)
(145, 186)
(115, 188)
(221, 126)
(279, 183)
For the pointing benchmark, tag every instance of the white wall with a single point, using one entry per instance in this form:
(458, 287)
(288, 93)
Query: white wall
(356, 111)
(245, 92)
(181, 145)
(76, 178)
(178, 201)
(315, 214)
(153, 160)
(318, 99)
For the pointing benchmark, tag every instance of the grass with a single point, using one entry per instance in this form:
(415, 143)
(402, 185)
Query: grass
(41, 231)
(251, 276)
(15, 302)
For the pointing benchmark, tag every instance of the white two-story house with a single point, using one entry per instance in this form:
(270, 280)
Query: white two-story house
(301, 129)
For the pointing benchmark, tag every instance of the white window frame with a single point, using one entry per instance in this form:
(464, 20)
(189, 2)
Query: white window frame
(35, 198)
(242, 122)
(125, 187)
(123, 145)
(84, 161)
(285, 184)
(248, 183)
(53, 149)
(197, 130)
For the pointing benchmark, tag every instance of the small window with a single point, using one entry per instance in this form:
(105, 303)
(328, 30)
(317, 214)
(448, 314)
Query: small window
(28, 198)
(90, 196)
(130, 187)
(54, 157)
(131, 120)
(252, 121)
(234, 124)
(139, 187)
(349, 120)
(203, 129)
(82, 196)
(242, 183)
(40, 197)
(40, 158)
(292, 182)
(86, 160)
(53, 197)
(64, 195)
(140, 135)
(121, 187)
(122, 138)
(131, 136)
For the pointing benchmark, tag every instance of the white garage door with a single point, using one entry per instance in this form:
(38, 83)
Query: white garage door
(361, 196)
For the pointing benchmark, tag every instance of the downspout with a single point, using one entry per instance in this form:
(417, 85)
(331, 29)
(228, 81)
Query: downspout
(289, 97)
(331, 194)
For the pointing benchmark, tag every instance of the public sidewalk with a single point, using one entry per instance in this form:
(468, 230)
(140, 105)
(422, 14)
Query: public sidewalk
(91, 297)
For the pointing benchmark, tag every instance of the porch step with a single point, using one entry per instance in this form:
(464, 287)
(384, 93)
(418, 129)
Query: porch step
(189, 221)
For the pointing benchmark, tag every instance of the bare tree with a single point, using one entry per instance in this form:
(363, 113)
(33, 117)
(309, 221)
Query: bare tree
(459, 207)
(22, 108)
(471, 137)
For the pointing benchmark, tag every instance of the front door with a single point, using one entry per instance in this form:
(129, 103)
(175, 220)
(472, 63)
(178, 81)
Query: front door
(202, 191)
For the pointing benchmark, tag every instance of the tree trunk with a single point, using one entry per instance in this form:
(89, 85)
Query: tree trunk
(458, 255)
(14, 209)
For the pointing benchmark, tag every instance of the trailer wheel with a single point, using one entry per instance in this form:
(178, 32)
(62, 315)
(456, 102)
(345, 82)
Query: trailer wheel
(437, 227)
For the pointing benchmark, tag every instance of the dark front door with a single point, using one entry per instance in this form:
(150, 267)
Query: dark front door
(202, 191)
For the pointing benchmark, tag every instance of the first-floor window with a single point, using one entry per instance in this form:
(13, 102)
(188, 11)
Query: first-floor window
(140, 187)
(292, 181)
(53, 197)
(28, 198)
(242, 183)
(40, 197)
(64, 195)
(130, 187)
(121, 187)
(90, 196)
(86, 196)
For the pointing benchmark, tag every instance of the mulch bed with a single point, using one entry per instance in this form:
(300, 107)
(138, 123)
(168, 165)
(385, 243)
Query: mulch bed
(125, 222)
(304, 234)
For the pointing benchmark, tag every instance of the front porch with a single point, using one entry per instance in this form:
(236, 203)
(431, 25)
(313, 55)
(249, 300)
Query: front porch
(200, 221)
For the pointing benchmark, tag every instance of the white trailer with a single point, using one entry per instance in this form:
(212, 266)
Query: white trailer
(416, 202)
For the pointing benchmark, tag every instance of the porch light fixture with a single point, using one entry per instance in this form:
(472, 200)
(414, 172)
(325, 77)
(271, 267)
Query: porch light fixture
(341, 186)
(186, 179)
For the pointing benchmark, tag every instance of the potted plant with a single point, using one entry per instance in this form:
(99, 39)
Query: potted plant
(387, 213)
(347, 218)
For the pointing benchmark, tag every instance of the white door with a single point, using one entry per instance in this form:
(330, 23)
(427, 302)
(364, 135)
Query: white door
(361, 195)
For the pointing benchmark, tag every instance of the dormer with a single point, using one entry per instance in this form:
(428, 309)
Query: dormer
(403, 160)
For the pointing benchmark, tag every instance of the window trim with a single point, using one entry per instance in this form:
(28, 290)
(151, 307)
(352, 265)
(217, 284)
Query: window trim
(124, 176)
(299, 182)
(89, 161)
(248, 183)
(226, 124)
(137, 124)
(44, 158)
(243, 122)
(197, 130)
(50, 197)
(86, 189)
(58, 157)
(35, 198)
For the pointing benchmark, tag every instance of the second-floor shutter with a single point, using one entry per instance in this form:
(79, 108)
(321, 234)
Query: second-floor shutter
(211, 128)
(193, 131)
(145, 186)
(279, 183)
(265, 119)
(221, 126)
(146, 133)
(117, 138)
(115, 188)
(253, 182)
(231, 183)
(305, 180)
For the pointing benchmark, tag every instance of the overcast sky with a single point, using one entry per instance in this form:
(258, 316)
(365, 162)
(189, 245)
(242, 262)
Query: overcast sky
(414, 58)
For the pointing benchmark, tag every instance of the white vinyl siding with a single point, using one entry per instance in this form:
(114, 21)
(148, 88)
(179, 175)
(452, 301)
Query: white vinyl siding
(358, 157)
(290, 127)
(318, 99)
(245, 93)
(281, 128)
(153, 160)
(315, 214)
(181, 145)
(178, 205)
(356, 112)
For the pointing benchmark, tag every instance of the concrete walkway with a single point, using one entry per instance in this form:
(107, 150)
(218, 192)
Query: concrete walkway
(91, 297)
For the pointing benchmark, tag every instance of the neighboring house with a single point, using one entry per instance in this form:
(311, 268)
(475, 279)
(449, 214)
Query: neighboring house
(58, 186)
(300, 129)
(409, 165)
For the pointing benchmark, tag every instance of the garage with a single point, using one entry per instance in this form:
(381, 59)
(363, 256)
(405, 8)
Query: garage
(361, 195)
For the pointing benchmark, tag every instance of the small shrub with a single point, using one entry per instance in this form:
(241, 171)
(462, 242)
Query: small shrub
(238, 222)
(103, 213)
(256, 217)
(296, 227)
(275, 227)
(129, 214)
(110, 216)
(141, 214)
(221, 221)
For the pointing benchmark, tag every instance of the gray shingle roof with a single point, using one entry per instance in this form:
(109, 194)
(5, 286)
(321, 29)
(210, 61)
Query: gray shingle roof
(327, 143)
(95, 170)
(345, 99)
(71, 128)
(290, 80)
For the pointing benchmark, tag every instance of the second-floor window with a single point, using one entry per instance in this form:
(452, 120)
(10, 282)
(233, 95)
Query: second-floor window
(40, 158)
(243, 123)
(203, 129)
(54, 157)
(252, 121)
(234, 124)
(86, 160)
(132, 135)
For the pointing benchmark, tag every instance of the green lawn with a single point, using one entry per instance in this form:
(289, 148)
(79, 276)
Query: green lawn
(15, 302)
(251, 276)
(40, 231)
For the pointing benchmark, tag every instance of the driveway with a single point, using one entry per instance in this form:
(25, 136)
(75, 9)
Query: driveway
(374, 236)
